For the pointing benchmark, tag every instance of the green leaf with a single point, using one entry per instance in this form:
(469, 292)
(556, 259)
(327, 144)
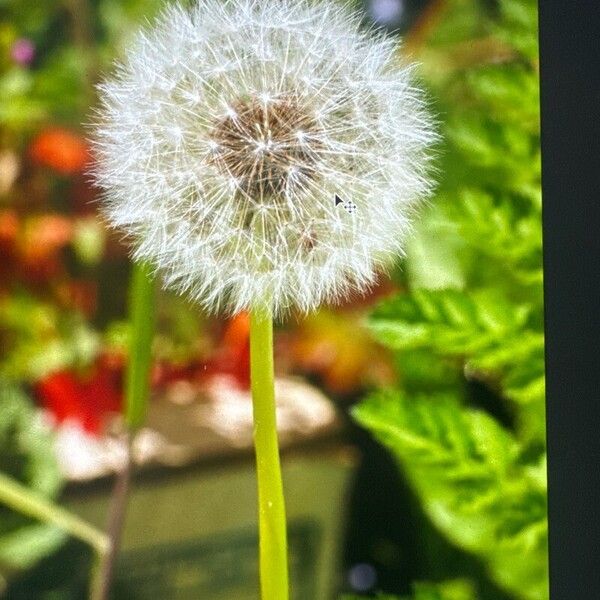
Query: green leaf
(478, 253)
(434, 254)
(23, 547)
(25, 454)
(449, 322)
(487, 337)
(41, 339)
(471, 481)
(517, 25)
(458, 589)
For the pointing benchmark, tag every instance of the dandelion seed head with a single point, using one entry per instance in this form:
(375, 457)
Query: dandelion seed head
(226, 133)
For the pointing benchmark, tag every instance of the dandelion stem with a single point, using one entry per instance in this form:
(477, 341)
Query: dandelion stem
(137, 392)
(22, 499)
(272, 524)
(142, 316)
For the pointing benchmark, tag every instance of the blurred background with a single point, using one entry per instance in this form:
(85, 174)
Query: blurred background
(412, 420)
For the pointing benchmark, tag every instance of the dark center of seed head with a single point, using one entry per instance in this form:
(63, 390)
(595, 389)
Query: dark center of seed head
(268, 145)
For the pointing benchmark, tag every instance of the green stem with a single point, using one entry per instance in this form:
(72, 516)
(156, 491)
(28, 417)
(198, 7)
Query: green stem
(27, 502)
(137, 391)
(272, 525)
(142, 317)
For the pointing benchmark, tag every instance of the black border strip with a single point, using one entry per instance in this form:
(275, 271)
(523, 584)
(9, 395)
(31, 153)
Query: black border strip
(570, 97)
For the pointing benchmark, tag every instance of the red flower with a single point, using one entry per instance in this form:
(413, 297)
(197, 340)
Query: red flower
(233, 357)
(88, 399)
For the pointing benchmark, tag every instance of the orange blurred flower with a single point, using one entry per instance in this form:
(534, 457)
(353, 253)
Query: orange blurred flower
(40, 243)
(9, 228)
(31, 246)
(332, 346)
(61, 150)
(232, 356)
(44, 234)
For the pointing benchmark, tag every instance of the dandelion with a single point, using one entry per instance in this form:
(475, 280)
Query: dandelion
(263, 156)
(226, 135)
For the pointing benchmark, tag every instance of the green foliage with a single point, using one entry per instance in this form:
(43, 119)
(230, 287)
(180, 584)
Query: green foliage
(54, 87)
(448, 590)
(26, 455)
(121, 17)
(472, 310)
(472, 479)
(74, 41)
(519, 20)
(39, 338)
(481, 332)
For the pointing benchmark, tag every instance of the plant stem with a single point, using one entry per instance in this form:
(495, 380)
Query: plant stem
(103, 574)
(83, 39)
(272, 524)
(27, 502)
(142, 317)
(137, 392)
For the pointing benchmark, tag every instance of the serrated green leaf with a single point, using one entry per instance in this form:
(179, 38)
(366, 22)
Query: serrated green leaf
(465, 469)
(448, 321)
(483, 487)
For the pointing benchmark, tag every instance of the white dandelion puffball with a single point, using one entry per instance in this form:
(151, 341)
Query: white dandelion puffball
(263, 154)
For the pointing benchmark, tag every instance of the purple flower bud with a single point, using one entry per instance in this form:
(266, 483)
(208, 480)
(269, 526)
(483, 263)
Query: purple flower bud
(23, 51)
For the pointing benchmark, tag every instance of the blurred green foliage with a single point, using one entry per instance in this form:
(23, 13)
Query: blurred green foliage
(40, 339)
(449, 590)
(472, 312)
(74, 41)
(25, 454)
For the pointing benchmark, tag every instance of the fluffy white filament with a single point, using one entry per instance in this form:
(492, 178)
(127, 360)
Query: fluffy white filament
(229, 129)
